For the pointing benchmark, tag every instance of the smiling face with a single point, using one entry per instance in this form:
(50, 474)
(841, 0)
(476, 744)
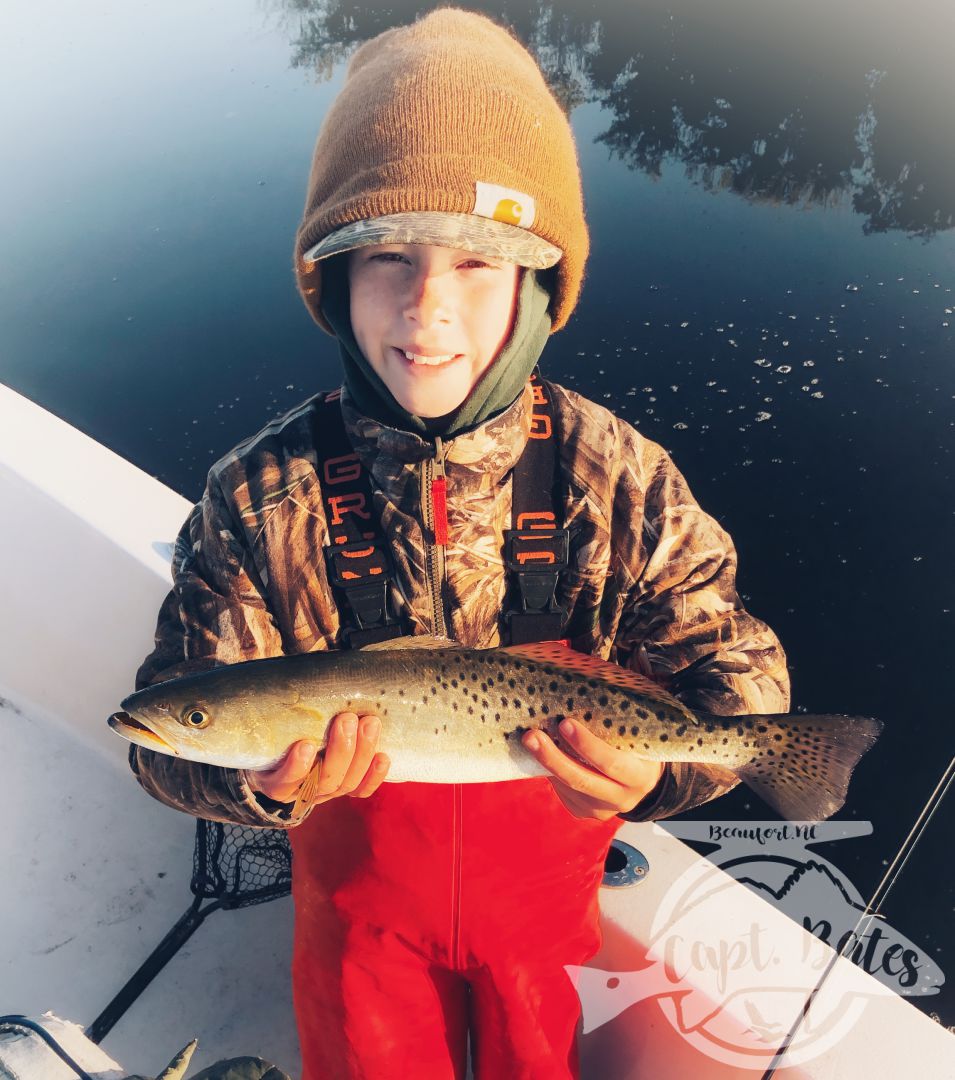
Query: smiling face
(446, 305)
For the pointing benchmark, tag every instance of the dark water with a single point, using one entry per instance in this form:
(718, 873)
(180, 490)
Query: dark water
(770, 296)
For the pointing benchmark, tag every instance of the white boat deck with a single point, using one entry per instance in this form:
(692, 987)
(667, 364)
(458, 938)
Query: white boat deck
(97, 872)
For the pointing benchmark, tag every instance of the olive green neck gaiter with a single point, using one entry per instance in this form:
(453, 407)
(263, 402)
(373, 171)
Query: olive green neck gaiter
(497, 388)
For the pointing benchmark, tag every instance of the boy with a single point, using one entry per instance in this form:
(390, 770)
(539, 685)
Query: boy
(443, 241)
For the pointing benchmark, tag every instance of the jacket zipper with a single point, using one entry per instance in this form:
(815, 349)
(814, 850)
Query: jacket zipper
(433, 497)
(435, 513)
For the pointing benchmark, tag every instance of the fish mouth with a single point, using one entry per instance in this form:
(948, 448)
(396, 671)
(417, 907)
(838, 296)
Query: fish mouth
(136, 731)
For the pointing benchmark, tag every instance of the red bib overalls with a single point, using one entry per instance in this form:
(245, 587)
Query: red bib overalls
(428, 908)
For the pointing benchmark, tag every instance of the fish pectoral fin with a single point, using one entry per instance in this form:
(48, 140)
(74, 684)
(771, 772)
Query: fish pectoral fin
(307, 790)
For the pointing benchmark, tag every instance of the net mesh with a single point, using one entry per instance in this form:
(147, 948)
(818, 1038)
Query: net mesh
(240, 866)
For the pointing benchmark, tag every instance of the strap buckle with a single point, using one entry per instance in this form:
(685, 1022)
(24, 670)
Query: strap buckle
(537, 558)
(361, 570)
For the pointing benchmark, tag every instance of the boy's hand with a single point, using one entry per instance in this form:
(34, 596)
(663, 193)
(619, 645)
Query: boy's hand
(349, 764)
(618, 780)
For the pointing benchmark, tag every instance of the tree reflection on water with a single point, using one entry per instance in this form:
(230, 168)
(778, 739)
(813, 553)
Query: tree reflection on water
(803, 105)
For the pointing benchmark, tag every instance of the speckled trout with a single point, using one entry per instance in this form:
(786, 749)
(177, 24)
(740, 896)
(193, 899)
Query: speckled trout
(456, 715)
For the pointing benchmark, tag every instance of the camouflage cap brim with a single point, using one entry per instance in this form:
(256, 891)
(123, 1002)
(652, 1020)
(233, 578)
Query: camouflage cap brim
(469, 232)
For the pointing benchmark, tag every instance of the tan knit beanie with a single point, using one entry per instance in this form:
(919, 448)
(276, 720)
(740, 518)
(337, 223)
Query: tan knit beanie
(449, 115)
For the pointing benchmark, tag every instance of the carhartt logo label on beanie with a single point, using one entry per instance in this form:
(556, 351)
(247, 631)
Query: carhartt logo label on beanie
(504, 204)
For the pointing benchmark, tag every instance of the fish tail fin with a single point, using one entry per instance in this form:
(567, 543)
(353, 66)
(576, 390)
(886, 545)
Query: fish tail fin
(804, 776)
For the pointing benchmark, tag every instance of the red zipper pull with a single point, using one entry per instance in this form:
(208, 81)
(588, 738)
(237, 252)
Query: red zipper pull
(439, 496)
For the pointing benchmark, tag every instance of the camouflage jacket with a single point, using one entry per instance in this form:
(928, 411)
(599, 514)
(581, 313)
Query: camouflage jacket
(651, 580)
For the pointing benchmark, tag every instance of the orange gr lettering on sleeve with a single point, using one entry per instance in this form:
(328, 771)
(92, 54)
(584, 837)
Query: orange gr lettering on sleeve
(340, 470)
(544, 516)
(536, 556)
(363, 554)
(347, 504)
(540, 426)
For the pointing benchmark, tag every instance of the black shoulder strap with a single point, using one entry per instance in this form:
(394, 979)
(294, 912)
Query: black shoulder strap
(536, 549)
(358, 559)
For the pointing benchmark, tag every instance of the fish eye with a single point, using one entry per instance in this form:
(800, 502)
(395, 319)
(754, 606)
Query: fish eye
(195, 717)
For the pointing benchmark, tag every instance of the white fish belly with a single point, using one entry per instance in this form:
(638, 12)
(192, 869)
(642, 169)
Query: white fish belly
(437, 767)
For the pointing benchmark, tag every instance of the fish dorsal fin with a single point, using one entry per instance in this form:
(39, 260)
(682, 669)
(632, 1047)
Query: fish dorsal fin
(592, 667)
(408, 641)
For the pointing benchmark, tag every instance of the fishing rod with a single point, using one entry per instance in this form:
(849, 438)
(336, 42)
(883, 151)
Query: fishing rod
(871, 909)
